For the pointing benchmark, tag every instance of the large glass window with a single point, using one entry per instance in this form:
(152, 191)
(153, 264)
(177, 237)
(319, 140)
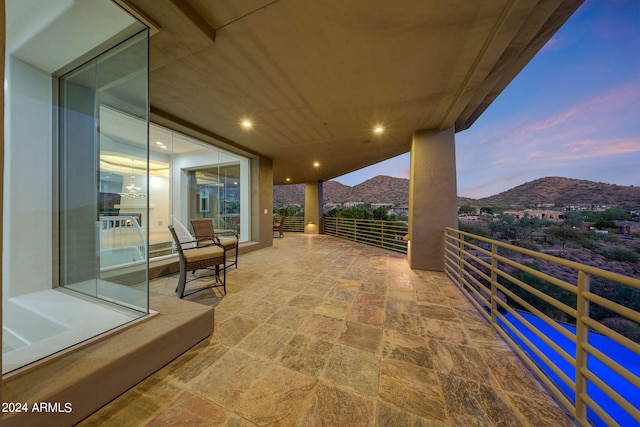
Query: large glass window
(191, 179)
(103, 170)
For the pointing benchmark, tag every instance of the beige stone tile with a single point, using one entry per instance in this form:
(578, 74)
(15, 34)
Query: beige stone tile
(405, 306)
(306, 354)
(418, 355)
(511, 373)
(374, 300)
(233, 330)
(333, 308)
(374, 287)
(305, 302)
(289, 317)
(361, 336)
(366, 314)
(191, 410)
(445, 331)
(342, 294)
(266, 341)
(461, 361)
(388, 415)
(354, 369)
(478, 401)
(333, 406)
(316, 289)
(351, 284)
(279, 296)
(294, 285)
(260, 310)
(406, 323)
(228, 382)
(411, 388)
(541, 412)
(324, 327)
(138, 406)
(266, 408)
(423, 297)
(437, 312)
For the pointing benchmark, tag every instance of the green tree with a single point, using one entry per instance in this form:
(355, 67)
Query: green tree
(467, 210)
(380, 214)
(564, 233)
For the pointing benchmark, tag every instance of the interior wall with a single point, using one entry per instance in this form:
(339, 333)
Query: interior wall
(27, 221)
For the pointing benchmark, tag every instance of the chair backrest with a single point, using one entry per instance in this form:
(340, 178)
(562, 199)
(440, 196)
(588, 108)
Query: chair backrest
(183, 235)
(202, 228)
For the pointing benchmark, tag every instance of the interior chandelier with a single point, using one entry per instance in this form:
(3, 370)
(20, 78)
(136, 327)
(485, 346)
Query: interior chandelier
(132, 190)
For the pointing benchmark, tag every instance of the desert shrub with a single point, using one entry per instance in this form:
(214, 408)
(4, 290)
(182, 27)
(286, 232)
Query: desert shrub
(588, 243)
(618, 254)
(626, 327)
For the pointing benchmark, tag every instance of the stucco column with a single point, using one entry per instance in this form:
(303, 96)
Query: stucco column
(313, 207)
(432, 197)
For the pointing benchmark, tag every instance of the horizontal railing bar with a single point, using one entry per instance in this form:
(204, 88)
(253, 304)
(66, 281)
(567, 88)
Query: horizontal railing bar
(547, 320)
(610, 333)
(612, 394)
(604, 416)
(613, 306)
(554, 302)
(559, 350)
(568, 381)
(594, 271)
(540, 275)
(612, 364)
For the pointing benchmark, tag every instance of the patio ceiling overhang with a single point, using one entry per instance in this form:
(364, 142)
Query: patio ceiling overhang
(316, 77)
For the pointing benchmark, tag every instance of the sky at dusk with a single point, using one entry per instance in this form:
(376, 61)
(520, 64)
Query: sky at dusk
(574, 111)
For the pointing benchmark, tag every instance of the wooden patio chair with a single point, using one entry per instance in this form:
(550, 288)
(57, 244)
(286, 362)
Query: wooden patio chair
(279, 227)
(205, 234)
(193, 257)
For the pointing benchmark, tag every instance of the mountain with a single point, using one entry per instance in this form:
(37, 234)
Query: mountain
(379, 189)
(551, 190)
(564, 192)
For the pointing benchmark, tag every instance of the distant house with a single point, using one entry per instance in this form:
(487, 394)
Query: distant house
(627, 227)
(352, 204)
(547, 214)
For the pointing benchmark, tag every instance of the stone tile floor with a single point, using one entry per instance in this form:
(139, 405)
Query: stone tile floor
(319, 331)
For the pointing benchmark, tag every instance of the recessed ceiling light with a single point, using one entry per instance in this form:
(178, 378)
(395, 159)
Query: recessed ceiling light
(288, 179)
(159, 143)
(378, 129)
(163, 147)
(246, 123)
(316, 164)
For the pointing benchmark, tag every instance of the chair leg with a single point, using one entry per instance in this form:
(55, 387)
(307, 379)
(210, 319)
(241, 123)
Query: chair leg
(181, 281)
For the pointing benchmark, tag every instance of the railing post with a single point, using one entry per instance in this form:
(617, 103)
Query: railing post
(494, 285)
(355, 230)
(582, 336)
(460, 251)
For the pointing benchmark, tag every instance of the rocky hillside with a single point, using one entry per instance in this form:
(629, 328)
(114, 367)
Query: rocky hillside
(550, 190)
(380, 189)
(567, 191)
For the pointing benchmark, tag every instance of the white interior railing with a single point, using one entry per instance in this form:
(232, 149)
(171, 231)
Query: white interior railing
(592, 369)
(121, 233)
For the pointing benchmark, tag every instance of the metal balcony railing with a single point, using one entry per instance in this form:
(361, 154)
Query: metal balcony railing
(590, 364)
(291, 223)
(383, 234)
